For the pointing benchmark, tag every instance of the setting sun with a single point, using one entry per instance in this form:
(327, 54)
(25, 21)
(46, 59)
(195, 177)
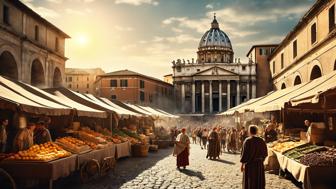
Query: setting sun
(82, 39)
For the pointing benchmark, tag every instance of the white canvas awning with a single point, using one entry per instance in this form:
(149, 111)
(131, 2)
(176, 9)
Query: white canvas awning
(318, 86)
(82, 110)
(145, 112)
(105, 100)
(16, 92)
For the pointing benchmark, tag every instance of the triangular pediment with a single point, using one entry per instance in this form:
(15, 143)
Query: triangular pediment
(215, 70)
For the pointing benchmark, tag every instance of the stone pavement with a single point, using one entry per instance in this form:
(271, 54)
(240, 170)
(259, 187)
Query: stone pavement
(159, 171)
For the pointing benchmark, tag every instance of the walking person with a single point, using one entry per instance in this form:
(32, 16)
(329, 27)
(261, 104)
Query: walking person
(193, 135)
(213, 147)
(252, 159)
(181, 150)
(242, 136)
(199, 135)
(222, 136)
(205, 134)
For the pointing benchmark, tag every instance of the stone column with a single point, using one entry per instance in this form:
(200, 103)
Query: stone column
(248, 90)
(210, 96)
(254, 89)
(220, 96)
(182, 97)
(193, 97)
(228, 94)
(203, 104)
(238, 92)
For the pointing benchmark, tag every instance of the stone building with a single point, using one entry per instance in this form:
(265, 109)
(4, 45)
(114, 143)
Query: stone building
(168, 78)
(31, 48)
(82, 80)
(216, 81)
(309, 50)
(259, 54)
(136, 88)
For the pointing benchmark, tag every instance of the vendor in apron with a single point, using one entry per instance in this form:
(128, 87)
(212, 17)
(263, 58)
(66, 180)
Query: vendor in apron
(24, 139)
(41, 133)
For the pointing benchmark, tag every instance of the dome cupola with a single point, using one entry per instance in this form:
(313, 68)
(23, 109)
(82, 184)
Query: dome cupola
(215, 46)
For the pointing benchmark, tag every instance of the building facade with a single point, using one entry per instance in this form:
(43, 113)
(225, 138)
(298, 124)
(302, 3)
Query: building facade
(132, 87)
(82, 80)
(309, 50)
(216, 81)
(168, 78)
(259, 54)
(31, 48)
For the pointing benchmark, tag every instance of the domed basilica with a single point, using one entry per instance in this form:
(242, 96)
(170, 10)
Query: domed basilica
(216, 81)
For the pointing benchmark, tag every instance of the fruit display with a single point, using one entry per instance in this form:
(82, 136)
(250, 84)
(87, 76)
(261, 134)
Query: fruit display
(300, 151)
(284, 146)
(320, 159)
(91, 136)
(73, 145)
(43, 152)
(126, 135)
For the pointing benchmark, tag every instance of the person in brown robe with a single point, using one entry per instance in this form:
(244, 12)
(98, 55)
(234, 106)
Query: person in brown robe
(214, 145)
(181, 149)
(253, 155)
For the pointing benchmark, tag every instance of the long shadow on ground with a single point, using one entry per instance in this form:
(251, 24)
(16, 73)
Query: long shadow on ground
(126, 169)
(193, 173)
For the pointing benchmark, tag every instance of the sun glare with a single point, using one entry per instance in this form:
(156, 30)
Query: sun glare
(82, 40)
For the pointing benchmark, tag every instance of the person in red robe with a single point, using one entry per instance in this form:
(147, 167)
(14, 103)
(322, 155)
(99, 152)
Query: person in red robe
(181, 149)
(253, 155)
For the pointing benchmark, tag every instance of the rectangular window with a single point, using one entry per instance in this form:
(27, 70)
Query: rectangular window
(142, 84)
(142, 96)
(273, 67)
(77, 86)
(113, 83)
(124, 83)
(313, 33)
(87, 86)
(69, 86)
(70, 79)
(5, 15)
(260, 51)
(87, 79)
(294, 48)
(282, 60)
(113, 97)
(332, 18)
(37, 31)
(244, 68)
(56, 44)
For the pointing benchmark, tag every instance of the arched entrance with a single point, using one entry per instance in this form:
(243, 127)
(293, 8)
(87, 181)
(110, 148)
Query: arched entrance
(283, 86)
(8, 67)
(335, 65)
(37, 74)
(315, 73)
(297, 80)
(57, 79)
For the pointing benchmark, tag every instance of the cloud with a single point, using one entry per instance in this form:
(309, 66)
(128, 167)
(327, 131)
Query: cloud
(121, 28)
(209, 6)
(137, 2)
(55, 1)
(177, 30)
(78, 12)
(128, 47)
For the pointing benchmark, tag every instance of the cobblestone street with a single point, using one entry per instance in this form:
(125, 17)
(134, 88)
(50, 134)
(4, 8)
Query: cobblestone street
(159, 171)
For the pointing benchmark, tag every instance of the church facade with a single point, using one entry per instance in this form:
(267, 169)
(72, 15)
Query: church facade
(216, 81)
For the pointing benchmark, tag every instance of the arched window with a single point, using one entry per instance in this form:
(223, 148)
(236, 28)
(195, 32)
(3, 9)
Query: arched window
(57, 80)
(297, 80)
(283, 86)
(315, 73)
(37, 74)
(8, 67)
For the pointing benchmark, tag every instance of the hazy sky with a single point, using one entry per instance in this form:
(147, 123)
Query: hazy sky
(147, 35)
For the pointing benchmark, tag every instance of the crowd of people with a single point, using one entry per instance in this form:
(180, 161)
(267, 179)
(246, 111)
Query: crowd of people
(35, 132)
(219, 139)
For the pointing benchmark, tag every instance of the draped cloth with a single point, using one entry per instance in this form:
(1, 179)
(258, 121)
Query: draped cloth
(214, 145)
(253, 155)
(181, 150)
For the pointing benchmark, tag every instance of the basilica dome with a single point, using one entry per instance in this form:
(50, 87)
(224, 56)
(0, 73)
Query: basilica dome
(215, 46)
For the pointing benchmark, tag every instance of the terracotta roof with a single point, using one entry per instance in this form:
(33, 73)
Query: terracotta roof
(29, 11)
(261, 45)
(131, 73)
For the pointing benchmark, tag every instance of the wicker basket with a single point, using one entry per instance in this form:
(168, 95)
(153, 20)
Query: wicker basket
(162, 143)
(140, 150)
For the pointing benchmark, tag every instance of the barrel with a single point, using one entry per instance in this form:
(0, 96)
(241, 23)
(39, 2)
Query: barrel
(140, 150)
